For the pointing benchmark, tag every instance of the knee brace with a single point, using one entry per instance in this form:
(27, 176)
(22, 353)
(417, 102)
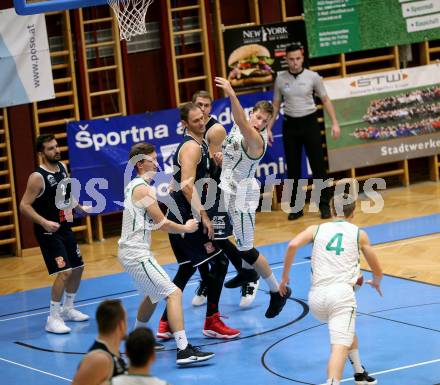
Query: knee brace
(183, 275)
(250, 256)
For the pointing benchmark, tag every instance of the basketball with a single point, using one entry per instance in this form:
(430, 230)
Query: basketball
(359, 283)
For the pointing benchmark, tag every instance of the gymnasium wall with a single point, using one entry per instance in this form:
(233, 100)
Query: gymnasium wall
(95, 76)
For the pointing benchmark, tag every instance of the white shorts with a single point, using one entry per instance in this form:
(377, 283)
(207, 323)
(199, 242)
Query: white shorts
(241, 212)
(150, 279)
(335, 304)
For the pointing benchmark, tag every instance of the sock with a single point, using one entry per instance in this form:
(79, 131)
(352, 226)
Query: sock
(332, 381)
(181, 340)
(55, 309)
(211, 309)
(140, 324)
(355, 359)
(272, 283)
(68, 300)
(246, 265)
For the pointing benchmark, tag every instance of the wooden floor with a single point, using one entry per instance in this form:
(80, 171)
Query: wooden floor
(417, 258)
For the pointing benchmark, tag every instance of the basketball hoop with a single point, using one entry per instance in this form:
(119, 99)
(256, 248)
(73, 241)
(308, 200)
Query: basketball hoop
(131, 16)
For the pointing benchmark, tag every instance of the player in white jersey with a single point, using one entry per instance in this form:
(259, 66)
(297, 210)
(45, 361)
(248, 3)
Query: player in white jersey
(215, 134)
(241, 152)
(141, 215)
(335, 271)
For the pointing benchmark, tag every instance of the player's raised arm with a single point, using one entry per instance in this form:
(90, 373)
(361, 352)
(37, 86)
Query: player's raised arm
(251, 136)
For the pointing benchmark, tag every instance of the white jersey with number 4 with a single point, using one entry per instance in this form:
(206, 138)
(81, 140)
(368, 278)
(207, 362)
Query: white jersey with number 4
(238, 168)
(335, 254)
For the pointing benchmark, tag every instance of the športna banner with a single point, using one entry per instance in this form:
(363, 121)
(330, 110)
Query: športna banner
(25, 67)
(385, 117)
(98, 151)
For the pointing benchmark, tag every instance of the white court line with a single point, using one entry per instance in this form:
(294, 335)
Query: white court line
(36, 370)
(396, 369)
(125, 296)
(47, 312)
(413, 240)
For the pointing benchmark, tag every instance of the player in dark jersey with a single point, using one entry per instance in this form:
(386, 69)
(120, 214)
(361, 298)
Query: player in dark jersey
(48, 204)
(103, 361)
(191, 166)
(215, 134)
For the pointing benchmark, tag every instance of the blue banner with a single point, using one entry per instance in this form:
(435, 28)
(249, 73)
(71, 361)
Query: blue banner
(98, 150)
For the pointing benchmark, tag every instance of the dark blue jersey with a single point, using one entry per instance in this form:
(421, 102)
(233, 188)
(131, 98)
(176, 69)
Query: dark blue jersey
(48, 204)
(202, 170)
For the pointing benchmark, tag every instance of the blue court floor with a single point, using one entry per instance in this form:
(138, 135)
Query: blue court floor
(399, 333)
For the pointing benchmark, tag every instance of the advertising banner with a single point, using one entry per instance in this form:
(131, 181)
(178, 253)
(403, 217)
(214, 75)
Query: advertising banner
(98, 151)
(338, 26)
(385, 117)
(25, 68)
(254, 54)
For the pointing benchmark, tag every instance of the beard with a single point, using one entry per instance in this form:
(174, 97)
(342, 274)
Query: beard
(53, 159)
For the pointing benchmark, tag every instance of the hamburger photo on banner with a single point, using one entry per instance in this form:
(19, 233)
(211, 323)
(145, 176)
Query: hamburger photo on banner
(249, 65)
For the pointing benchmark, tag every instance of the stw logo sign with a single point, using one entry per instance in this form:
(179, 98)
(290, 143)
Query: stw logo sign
(379, 79)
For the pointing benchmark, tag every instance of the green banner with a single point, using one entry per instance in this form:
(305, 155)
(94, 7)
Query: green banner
(338, 26)
(384, 117)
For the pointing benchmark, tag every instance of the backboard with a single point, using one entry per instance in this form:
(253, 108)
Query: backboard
(31, 7)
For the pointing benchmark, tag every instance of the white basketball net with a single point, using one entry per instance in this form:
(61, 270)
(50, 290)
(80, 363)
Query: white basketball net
(131, 16)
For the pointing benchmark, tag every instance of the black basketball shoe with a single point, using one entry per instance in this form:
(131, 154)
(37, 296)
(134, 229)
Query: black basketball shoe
(192, 354)
(277, 303)
(364, 379)
(243, 277)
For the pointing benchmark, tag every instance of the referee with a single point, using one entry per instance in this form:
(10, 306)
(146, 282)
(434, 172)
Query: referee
(297, 87)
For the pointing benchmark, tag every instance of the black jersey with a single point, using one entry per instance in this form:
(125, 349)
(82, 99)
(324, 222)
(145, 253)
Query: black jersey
(48, 204)
(217, 213)
(195, 248)
(202, 170)
(209, 124)
(119, 365)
